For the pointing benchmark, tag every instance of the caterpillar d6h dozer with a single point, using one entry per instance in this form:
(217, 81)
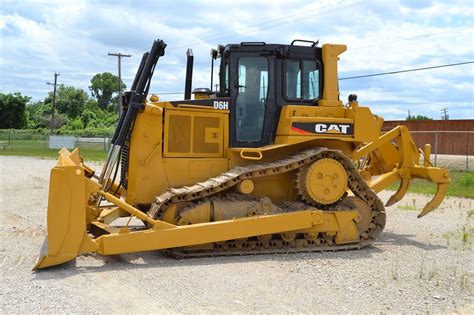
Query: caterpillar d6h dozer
(271, 162)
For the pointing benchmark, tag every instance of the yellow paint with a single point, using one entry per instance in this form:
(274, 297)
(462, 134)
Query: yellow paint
(175, 146)
(331, 83)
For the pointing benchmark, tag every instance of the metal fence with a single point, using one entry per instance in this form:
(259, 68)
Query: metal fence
(30, 143)
(451, 149)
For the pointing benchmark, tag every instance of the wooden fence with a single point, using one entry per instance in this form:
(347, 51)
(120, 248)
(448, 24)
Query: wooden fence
(454, 137)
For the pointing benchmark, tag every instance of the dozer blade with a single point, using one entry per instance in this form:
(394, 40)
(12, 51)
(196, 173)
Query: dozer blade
(66, 211)
(401, 192)
(437, 199)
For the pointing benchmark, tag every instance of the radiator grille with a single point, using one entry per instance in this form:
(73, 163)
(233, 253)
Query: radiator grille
(179, 140)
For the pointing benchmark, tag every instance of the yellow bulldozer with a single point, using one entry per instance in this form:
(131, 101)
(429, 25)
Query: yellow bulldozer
(271, 161)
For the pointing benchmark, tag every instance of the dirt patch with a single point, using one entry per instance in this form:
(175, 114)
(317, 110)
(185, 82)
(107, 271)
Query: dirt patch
(417, 265)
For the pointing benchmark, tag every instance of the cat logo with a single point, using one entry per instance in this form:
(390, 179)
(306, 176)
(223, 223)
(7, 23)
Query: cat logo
(338, 128)
(323, 128)
(221, 105)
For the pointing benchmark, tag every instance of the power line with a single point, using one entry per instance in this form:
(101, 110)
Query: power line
(374, 74)
(410, 38)
(213, 36)
(287, 19)
(270, 23)
(407, 70)
(56, 75)
(444, 114)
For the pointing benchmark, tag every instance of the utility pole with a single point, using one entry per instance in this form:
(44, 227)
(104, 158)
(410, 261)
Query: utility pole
(444, 114)
(119, 58)
(56, 75)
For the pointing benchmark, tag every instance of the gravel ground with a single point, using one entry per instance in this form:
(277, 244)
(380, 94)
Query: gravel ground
(456, 162)
(417, 265)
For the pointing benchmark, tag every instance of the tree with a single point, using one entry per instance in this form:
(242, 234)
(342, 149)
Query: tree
(74, 124)
(417, 117)
(39, 115)
(13, 110)
(69, 100)
(104, 86)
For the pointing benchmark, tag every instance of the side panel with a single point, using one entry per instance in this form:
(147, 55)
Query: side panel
(188, 171)
(145, 168)
(172, 147)
(195, 144)
(305, 123)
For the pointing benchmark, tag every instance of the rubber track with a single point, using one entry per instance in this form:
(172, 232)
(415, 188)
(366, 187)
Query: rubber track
(232, 177)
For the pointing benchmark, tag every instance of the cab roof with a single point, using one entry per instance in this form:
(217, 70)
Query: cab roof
(280, 50)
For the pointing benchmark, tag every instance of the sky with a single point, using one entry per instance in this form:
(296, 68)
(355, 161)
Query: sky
(73, 38)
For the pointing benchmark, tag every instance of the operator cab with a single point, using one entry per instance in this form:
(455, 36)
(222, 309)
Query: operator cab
(260, 78)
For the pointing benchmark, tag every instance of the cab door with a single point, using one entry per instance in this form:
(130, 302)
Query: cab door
(253, 116)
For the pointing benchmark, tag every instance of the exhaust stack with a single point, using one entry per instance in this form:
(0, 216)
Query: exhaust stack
(189, 74)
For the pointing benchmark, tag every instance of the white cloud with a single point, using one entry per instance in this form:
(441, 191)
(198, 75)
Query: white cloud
(74, 37)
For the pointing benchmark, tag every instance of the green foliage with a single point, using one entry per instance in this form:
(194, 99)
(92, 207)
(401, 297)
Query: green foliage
(104, 87)
(87, 132)
(39, 148)
(462, 185)
(70, 101)
(99, 119)
(88, 116)
(12, 110)
(417, 117)
(39, 115)
(74, 124)
(23, 134)
(467, 180)
(75, 112)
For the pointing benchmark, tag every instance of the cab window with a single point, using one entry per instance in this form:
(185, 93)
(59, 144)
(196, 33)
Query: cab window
(302, 79)
(251, 98)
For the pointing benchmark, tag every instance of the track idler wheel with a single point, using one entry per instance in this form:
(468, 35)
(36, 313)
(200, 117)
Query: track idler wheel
(264, 238)
(322, 182)
(364, 218)
(310, 236)
(172, 213)
(288, 237)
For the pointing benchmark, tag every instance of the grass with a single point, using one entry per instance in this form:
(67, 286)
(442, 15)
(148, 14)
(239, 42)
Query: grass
(462, 185)
(464, 283)
(460, 238)
(90, 152)
(422, 266)
(408, 207)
